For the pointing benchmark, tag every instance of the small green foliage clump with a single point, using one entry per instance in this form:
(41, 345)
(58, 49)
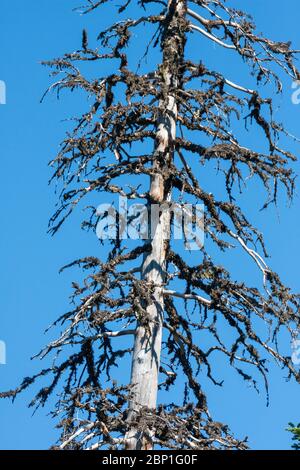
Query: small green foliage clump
(295, 430)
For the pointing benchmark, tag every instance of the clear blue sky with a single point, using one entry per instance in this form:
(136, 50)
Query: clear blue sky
(32, 292)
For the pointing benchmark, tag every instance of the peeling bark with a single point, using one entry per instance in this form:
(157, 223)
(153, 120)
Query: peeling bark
(148, 338)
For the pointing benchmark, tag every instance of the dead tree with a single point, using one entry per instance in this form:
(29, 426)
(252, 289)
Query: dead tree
(161, 126)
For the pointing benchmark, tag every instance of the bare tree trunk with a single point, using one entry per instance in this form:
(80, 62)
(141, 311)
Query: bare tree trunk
(148, 339)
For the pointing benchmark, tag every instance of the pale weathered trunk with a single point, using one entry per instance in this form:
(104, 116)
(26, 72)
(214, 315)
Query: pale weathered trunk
(148, 339)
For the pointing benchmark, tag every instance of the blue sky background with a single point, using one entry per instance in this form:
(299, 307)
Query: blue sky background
(32, 292)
